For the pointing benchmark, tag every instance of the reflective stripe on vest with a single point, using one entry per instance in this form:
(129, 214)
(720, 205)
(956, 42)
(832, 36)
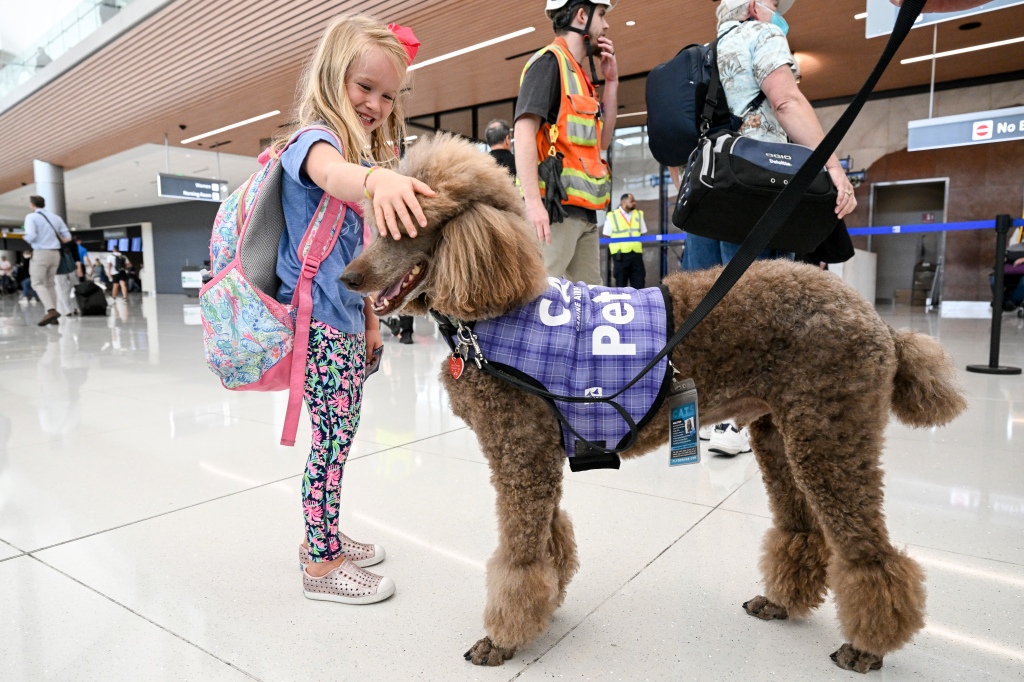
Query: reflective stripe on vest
(577, 134)
(621, 229)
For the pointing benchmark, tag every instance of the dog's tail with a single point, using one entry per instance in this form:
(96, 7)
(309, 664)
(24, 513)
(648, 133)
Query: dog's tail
(925, 390)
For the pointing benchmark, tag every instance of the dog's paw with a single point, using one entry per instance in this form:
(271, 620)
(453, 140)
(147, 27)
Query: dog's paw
(486, 652)
(849, 658)
(760, 607)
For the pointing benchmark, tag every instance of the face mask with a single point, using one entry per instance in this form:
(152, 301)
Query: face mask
(778, 20)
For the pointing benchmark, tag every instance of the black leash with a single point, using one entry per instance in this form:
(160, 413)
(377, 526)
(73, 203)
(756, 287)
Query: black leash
(758, 239)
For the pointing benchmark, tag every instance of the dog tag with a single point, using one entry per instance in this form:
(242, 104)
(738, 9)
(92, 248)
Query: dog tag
(455, 366)
(684, 423)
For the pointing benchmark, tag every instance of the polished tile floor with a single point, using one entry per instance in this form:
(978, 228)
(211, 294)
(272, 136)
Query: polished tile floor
(149, 524)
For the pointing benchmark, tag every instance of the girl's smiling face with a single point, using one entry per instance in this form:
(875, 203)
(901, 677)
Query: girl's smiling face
(372, 86)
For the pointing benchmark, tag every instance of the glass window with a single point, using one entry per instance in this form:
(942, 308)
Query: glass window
(636, 172)
(421, 123)
(460, 122)
(503, 111)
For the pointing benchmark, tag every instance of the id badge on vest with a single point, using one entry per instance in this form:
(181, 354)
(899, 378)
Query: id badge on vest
(684, 424)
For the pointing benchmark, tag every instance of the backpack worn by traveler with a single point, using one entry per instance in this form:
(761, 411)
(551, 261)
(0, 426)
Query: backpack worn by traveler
(253, 342)
(676, 96)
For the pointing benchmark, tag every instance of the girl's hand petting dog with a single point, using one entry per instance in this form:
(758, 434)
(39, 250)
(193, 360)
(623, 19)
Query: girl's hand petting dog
(394, 197)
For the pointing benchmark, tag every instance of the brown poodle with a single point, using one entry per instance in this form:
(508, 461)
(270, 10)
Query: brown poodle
(791, 351)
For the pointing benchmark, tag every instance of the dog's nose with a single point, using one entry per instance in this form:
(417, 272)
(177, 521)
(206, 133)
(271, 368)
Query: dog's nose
(351, 278)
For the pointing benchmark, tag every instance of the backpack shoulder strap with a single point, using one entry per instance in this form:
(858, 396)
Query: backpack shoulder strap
(316, 245)
(715, 89)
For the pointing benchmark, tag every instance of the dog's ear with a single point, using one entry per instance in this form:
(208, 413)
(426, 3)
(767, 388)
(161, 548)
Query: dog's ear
(486, 264)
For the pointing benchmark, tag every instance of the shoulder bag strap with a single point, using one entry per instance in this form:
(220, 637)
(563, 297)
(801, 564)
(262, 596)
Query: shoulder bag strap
(60, 239)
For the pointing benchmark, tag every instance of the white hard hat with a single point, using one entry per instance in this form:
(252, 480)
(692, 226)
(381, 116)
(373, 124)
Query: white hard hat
(784, 5)
(559, 4)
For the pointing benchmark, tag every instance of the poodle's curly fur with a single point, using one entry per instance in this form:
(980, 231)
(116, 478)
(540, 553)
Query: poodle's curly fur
(791, 351)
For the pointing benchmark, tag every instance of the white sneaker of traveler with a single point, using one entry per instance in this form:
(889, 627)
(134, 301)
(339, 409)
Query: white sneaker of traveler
(729, 441)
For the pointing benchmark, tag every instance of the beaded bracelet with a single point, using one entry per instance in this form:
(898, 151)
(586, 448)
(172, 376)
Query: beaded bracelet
(366, 178)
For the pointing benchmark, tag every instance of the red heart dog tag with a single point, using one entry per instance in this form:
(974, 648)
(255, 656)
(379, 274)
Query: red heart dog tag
(455, 366)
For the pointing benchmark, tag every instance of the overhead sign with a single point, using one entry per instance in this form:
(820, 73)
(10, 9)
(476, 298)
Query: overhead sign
(184, 187)
(882, 15)
(983, 127)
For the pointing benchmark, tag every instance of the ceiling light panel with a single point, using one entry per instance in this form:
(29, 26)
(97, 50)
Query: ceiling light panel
(247, 121)
(472, 48)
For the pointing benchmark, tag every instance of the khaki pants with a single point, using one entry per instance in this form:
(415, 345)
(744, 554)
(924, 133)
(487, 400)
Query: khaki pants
(43, 271)
(573, 252)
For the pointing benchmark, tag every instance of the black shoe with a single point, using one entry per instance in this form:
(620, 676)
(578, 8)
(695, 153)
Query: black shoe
(49, 318)
(405, 338)
(393, 324)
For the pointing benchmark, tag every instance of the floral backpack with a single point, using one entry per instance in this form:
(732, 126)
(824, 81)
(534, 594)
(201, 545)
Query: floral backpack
(253, 342)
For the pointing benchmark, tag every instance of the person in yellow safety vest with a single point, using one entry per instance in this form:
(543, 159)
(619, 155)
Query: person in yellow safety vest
(558, 108)
(627, 257)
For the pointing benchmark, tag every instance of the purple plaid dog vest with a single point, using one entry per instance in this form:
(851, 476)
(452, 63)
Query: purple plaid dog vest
(580, 340)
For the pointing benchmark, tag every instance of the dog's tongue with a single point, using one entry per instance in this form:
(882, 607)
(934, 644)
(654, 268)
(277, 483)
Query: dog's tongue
(391, 291)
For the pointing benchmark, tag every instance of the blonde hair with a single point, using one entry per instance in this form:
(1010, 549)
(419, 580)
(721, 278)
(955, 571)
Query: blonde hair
(325, 99)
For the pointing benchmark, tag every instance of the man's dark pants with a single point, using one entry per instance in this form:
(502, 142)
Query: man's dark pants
(628, 269)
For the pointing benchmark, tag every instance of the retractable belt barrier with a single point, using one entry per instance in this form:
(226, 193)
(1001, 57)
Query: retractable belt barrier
(854, 232)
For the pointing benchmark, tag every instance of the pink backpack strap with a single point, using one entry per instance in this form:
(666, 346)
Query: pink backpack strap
(320, 244)
(316, 245)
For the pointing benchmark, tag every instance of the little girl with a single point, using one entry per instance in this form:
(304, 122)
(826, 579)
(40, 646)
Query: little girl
(352, 87)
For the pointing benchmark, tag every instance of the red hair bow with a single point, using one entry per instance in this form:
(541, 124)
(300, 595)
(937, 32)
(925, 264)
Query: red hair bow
(407, 38)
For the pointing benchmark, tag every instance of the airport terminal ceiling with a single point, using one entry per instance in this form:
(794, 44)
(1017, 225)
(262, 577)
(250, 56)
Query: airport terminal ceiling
(205, 65)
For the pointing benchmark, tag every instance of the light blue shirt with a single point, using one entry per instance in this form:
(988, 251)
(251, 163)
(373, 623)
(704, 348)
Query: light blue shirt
(333, 302)
(752, 51)
(38, 232)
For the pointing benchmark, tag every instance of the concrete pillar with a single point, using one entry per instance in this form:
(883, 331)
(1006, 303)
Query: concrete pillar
(50, 186)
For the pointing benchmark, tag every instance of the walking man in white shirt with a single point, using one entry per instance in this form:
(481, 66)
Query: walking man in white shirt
(45, 231)
(627, 257)
(117, 264)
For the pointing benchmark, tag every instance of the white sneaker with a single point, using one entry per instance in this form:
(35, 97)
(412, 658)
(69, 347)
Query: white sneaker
(705, 432)
(348, 584)
(729, 441)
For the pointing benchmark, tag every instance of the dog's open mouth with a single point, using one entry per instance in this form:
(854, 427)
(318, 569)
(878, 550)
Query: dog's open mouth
(394, 296)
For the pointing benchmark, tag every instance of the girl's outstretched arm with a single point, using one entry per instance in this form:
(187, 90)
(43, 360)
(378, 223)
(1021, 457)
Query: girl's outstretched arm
(393, 194)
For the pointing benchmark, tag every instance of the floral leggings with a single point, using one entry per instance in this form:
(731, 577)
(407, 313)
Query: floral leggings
(333, 393)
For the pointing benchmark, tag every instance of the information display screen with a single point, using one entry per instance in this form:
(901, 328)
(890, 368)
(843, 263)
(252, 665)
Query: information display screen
(199, 189)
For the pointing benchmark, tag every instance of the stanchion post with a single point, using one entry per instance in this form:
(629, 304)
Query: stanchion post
(1003, 224)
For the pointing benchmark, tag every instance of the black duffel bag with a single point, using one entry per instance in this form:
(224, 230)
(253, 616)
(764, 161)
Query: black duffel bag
(91, 298)
(731, 180)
